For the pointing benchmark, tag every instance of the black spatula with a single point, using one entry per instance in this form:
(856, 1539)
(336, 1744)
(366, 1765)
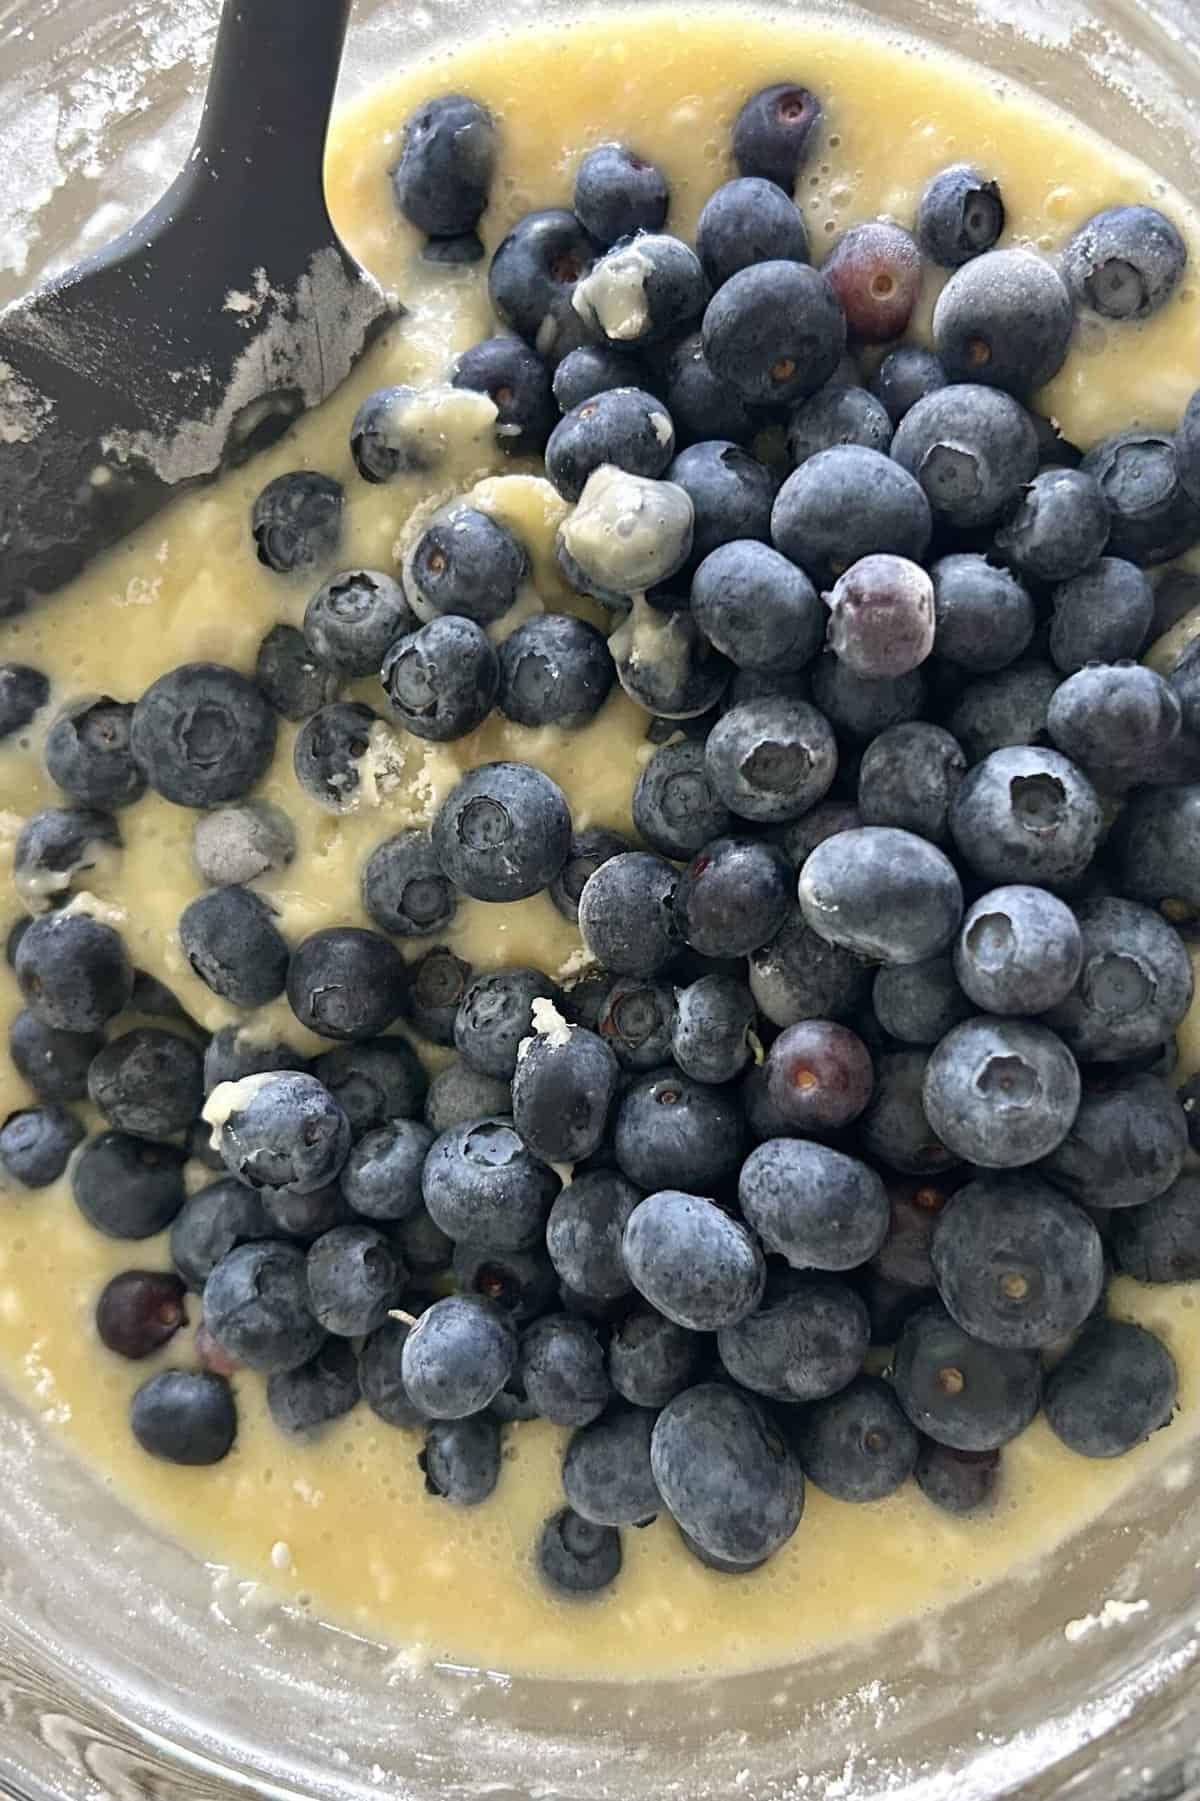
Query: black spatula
(195, 338)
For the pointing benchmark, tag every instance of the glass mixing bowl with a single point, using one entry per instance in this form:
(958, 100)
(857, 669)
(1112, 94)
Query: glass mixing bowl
(129, 1669)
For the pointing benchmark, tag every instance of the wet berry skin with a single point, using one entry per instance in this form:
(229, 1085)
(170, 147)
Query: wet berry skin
(819, 1075)
(185, 1416)
(140, 1311)
(618, 193)
(773, 131)
(442, 178)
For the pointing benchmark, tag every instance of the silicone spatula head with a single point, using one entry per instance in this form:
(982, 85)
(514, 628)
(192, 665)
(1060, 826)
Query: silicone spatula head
(194, 339)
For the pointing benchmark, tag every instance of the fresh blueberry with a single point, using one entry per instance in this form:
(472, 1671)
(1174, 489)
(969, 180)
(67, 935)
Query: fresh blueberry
(1117, 720)
(1020, 951)
(381, 1377)
(626, 534)
(701, 406)
(857, 1445)
(971, 449)
(606, 1472)
(1127, 1145)
(496, 1014)
(646, 289)
(636, 1020)
(815, 1206)
(438, 981)
(882, 893)
(1152, 517)
(1101, 616)
(503, 833)
(185, 1416)
(626, 914)
(88, 754)
(672, 1129)
(756, 607)
(403, 888)
(771, 760)
(296, 522)
(459, 1094)
(447, 159)
(589, 849)
(73, 972)
(482, 1185)
(692, 1262)
(54, 1063)
(591, 370)
(128, 1187)
(1159, 1240)
(904, 1258)
(36, 1144)
(381, 1178)
(1004, 319)
(819, 1076)
(563, 1371)
(374, 1082)
(148, 1081)
(232, 943)
(807, 1339)
(861, 707)
(584, 1233)
(304, 1217)
(139, 1312)
(532, 280)
(875, 271)
(961, 214)
(320, 1391)
(467, 563)
(908, 777)
(564, 1083)
(55, 846)
(881, 616)
(1016, 1264)
(733, 897)
(906, 375)
(895, 1128)
(461, 1459)
(202, 734)
(517, 382)
(1059, 529)
(624, 427)
(280, 1131)
(576, 1557)
(1187, 452)
(442, 680)
(1001, 1093)
(731, 494)
(1157, 849)
(837, 416)
(675, 808)
(256, 1306)
(963, 1394)
(349, 623)
(23, 692)
(650, 1358)
(1006, 710)
(354, 1277)
(618, 193)
(554, 670)
(211, 1223)
(1135, 987)
(727, 1475)
(1126, 262)
(847, 503)
(523, 1283)
(746, 222)
(458, 1356)
(798, 975)
(1115, 1387)
(665, 664)
(1026, 815)
(289, 676)
(345, 982)
(235, 845)
(959, 1482)
(423, 1247)
(712, 1038)
(774, 332)
(918, 1003)
(983, 616)
(772, 131)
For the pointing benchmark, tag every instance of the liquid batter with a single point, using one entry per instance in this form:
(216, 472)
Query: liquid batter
(344, 1523)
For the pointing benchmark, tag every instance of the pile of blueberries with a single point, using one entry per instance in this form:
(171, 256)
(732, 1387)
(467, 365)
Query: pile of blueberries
(871, 1070)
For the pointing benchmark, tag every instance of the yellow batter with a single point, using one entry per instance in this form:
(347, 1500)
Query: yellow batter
(344, 1523)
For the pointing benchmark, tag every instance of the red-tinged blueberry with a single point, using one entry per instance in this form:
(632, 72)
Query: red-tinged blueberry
(875, 271)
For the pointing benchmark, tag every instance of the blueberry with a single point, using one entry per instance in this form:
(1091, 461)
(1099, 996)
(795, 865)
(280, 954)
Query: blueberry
(481, 1184)
(1004, 319)
(562, 1368)
(618, 193)
(771, 760)
(584, 1233)
(23, 692)
(438, 981)
(1126, 262)
(882, 893)
(459, 1094)
(772, 131)
(381, 1376)
(1117, 720)
(1101, 616)
(1157, 849)
(288, 675)
(577, 1557)
(755, 607)
(442, 680)
(324, 1389)
(304, 1217)
(904, 1258)
(55, 846)
(860, 707)
(626, 534)
(730, 1480)
(713, 1035)
(733, 897)
(671, 1129)
(517, 382)
(746, 222)
(532, 279)
(1059, 528)
(774, 332)
(836, 416)
(139, 1312)
(1008, 709)
(234, 845)
(819, 1075)
(731, 494)
(280, 1131)
(857, 1445)
(210, 1224)
(461, 1459)
(1001, 1092)
(447, 159)
(959, 1482)
(54, 1063)
(971, 449)
(919, 1003)
(458, 1356)
(354, 1277)
(1026, 815)
(693, 1263)
(1135, 986)
(202, 734)
(381, 1178)
(128, 1187)
(403, 888)
(675, 808)
(409, 431)
(296, 521)
(1020, 951)
(374, 1082)
(237, 1051)
(554, 670)
(564, 1083)
(961, 1393)
(88, 753)
(523, 1283)
(591, 370)
(847, 503)
(1152, 518)
(73, 972)
(232, 943)
(256, 1306)
(983, 616)
(626, 914)
(345, 982)
(185, 1416)
(895, 1128)
(467, 563)
(36, 1144)
(961, 215)
(1017, 1265)
(606, 1472)
(908, 777)
(503, 833)
(807, 1339)
(701, 406)
(424, 1248)
(666, 665)
(815, 1206)
(148, 1081)
(906, 375)
(1116, 1386)
(1159, 1240)
(1127, 1145)
(881, 616)
(349, 623)
(496, 1014)
(624, 427)
(798, 975)
(650, 1358)
(875, 271)
(765, 684)
(642, 291)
